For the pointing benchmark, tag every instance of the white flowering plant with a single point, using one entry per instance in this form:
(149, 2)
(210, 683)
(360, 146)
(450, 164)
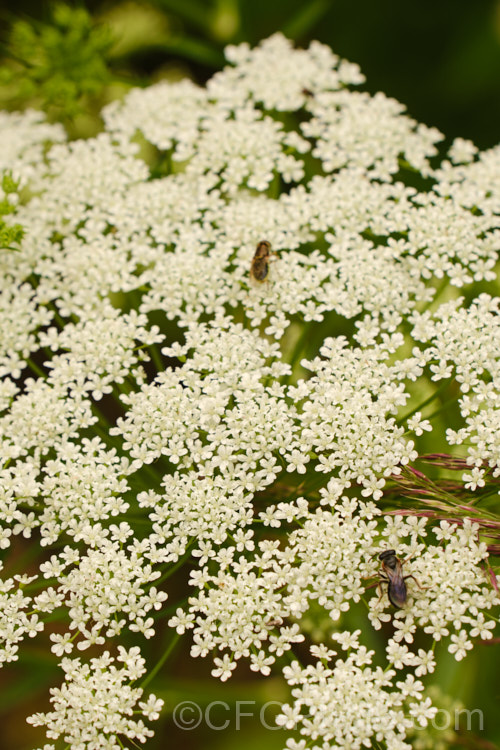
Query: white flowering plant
(166, 409)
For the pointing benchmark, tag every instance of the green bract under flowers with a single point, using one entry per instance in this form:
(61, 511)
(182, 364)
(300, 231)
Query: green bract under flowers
(160, 406)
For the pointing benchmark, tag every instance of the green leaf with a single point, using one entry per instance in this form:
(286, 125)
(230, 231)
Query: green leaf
(305, 19)
(193, 49)
(192, 12)
(10, 235)
(56, 64)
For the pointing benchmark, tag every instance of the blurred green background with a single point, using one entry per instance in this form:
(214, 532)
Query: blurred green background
(441, 59)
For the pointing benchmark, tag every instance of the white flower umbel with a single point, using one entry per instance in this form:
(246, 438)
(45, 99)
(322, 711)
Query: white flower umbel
(163, 411)
(96, 703)
(448, 591)
(24, 137)
(351, 705)
(16, 622)
(463, 344)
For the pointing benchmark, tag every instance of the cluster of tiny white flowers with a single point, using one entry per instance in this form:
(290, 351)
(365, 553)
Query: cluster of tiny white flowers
(38, 420)
(82, 486)
(15, 621)
(348, 413)
(99, 351)
(243, 610)
(20, 318)
(329, 559)
(472, 182)
(80, 174)
(438, 605)
(350, 128)
(27, 135)
(219, 395)
(279, 77)
(105, 582)
(96, 703)
(334, 575)
(146, 375)
(464, 343)
(351, 704)
(156, 113)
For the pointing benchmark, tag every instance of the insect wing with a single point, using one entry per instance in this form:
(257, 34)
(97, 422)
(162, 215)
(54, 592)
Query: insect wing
(260, 263)
(396, 589)
(260, 269)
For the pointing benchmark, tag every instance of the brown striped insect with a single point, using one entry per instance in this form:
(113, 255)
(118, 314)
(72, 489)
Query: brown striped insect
(260, 261)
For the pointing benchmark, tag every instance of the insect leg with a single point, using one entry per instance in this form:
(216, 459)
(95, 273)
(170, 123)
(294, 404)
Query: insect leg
(379, 587)
(422, 588)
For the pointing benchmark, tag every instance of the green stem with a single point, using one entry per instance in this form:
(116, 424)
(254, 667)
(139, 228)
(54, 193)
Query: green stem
(171, 570)
(37, 370)
(421, 406)
(161, 661)
(298, 349)
(439, 290)
(442, 408)
(156, 357)
(57, 317)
